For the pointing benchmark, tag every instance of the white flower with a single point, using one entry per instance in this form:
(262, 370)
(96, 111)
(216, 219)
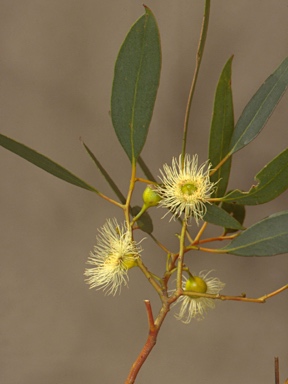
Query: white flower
(114, 254)
(196, 307)
(186, 190)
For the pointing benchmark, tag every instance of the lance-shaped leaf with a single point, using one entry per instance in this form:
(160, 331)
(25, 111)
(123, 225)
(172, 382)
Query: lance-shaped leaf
(43, 162)
(135, 84)
(260, 107)
(273, 180)
(216, 215)
(221, 129)
(106, 175)
(235, 210)
(269, 237)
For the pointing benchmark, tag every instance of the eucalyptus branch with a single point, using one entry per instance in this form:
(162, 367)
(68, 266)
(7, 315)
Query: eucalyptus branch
(149, 315)
(199, 55)
(200, 233)
(149, 277)
(243, 298)
(110, 200)
(151, 339)
(211, 240)
(146, 181)
(209, 250)
(135, 218)
(276, 367)
(219, 165)
(219, 238)
(186, 189)
(181, 255)
(130, 191)
(191, 241)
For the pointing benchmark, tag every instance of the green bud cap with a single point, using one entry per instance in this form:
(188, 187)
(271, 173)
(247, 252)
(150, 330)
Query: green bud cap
(150, 197)
(196, 284)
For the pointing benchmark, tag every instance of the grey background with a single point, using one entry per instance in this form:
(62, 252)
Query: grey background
(57, 61)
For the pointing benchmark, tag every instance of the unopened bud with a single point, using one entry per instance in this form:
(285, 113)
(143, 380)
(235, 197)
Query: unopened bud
(150, 197)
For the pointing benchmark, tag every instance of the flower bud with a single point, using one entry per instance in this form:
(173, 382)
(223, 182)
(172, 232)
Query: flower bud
(150, 197)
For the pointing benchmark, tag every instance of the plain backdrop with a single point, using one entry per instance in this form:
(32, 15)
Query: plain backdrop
(56, 63)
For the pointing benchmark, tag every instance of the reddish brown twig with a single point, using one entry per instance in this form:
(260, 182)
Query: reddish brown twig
(154, 327)
(276, 367)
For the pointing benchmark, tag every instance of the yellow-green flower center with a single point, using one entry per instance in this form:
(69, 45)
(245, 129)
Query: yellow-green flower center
(196, 284)
(124, 262)
(189, 189)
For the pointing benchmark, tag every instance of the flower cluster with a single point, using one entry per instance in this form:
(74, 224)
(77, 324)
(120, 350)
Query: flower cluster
(186, 189)
(196, 307)
(114, 254)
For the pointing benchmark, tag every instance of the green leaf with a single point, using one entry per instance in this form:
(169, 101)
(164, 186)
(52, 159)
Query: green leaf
(43, 162)
(109, 180)
(260, 107)
(269, 237)
(135, 84)
(221, 129)
(216, 215)
(235, 210)
(144, 222)
(273, 180)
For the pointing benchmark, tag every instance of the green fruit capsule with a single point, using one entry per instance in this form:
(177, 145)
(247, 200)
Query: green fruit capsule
(196, 284)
